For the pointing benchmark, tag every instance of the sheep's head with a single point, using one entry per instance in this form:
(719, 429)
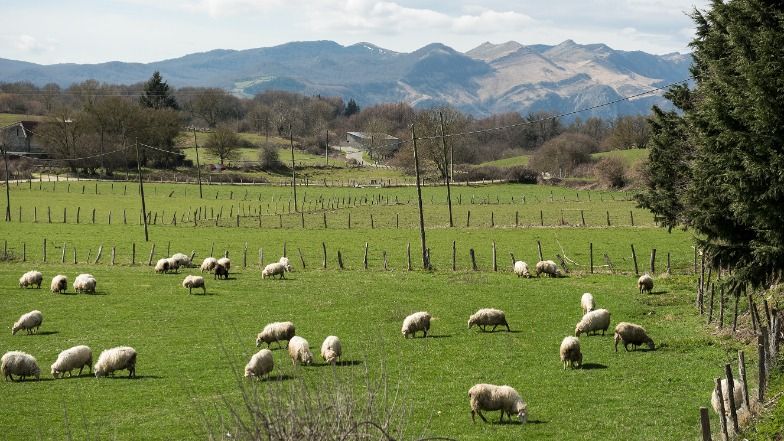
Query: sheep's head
(579, 361)
(650, 344)
(288, 267)
(471, 322)
(577, 331)
(16, 328)
(523, 415)
(307, 357)
(259, 340)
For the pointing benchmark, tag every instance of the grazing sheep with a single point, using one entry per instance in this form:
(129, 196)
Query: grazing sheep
(182, 260)
(587, 303)
(274, 269)
(162, 266)
(594, 321)
(548, 267)
(488, 317)
(30, 322)
(299, 351)
(570, 352)
(491, 397)
(85, 283)
(331, 349)
(70, 359)
(31, 278)
(173, 264)
(59, 284)
(737, 387)
(260, 364)
(284, 260)
(20, 364)
(221, 272)
(521, 269)
(208, 264)
(275, 332)
(631, 334)
(116, 359)
(225, 262)
(645, 283)
(191, 282)
(418, 321)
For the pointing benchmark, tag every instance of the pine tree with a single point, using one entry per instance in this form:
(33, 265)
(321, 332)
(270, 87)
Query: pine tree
(351, 108)
(157, 94)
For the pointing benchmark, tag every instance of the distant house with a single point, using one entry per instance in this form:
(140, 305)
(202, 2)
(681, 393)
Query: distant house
(381, 144)
(20, 139)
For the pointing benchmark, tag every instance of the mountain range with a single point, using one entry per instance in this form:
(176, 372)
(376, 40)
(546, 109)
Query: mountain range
(491, 78)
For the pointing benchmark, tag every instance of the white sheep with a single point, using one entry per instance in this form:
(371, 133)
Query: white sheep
(548, 267)
(594, 321)
(521, 269)
(31, 278)
(73, 358)
(275, 269)
(59, 284)
(162, 266)
(491, 397)
(208, 264)
(30, 322)
(284, 260)
(182, 260)
(275, 332)
(418, 321)
(116, 359)
(737, 387)
(587, 303)
(20, 364)
(645, 283)
(570, 352)
(260, 364)
(191, 282)
(85, 283)
(631, 334)
(299, 351)
(173, 264)
(488, 317)
(221, 271)
(225, 262)
(331, 349)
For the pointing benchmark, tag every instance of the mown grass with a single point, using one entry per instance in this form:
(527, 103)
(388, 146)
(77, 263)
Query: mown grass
(509, 162)
(187, 344)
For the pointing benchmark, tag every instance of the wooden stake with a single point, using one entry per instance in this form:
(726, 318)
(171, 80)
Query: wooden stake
(722, 414)
(634, 258)
(731, 398)
(705, 424)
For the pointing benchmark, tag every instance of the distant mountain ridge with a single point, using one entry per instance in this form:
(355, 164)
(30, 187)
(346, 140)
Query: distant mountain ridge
(491, 78)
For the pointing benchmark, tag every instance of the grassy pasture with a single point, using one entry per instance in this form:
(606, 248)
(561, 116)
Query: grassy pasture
(637, 395)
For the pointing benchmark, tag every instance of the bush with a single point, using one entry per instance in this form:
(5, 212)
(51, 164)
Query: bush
(563, 154)
(611, 172)
(521, 174)
(483, 172)
(269, 158)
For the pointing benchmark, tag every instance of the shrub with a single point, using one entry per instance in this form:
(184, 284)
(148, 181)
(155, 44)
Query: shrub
(521, 174)
(269, 158)
(563, 154)
(611, 172)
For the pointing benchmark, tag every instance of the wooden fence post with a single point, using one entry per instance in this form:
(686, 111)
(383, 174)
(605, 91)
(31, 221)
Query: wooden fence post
(722, 413)
(731, 398)
(608, 218)
(454, 255)
(705, 424)
(590, 255)
(582, 217)
(517, 218)
(133, 253)
(473, 259)
(301, 257)
(408, 254)
(541, 218)
(324, 255)
(152, 253)
(495, 263)
(653, 261)
(114, 253)
(365, 258)
(721, 307)
(98, 256)
(468, 219)
(539, 250)
(634, 258)
(44, 251)
(340, 260)
(62, 255)
(762, 376)
(742, 373)
(245, 255)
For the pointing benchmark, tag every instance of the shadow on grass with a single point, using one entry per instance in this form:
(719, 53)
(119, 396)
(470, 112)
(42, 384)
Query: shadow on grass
(96, 293)
(135, 378)
(438, 336)
(340, 363)
(30, 380)
(278, 378)
(46, 333)
(591, 366)
(515, 422)
(500, 330)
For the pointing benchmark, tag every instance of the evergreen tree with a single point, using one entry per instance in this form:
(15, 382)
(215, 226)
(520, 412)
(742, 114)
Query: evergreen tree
(157, 94)
(733, 126)
(351, 108)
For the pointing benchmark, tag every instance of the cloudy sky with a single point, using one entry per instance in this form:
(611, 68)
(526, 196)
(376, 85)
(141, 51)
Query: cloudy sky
(93, 31)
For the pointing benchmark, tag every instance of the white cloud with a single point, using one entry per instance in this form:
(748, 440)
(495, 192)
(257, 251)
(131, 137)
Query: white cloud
(29, 44)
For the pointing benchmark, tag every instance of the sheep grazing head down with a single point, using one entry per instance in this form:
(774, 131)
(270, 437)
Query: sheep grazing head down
(522, 415)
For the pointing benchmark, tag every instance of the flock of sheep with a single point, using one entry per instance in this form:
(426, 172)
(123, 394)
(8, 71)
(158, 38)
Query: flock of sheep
(487, 397)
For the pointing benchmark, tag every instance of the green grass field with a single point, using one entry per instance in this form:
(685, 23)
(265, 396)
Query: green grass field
(508, 162)
(629, 156)
(188, 344)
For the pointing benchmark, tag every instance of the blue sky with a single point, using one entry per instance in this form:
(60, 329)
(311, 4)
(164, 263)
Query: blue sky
(94, 31)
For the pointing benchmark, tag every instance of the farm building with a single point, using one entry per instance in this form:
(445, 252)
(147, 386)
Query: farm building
(379, 145)
(20, 140)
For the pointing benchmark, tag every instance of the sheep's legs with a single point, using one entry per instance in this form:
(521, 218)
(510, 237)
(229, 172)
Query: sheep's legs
(507, 327)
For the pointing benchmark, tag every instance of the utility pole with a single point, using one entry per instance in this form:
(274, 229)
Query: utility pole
(293, 168)
(141, 191)
(7, 187)
(198, 166)
(425, 260)
(446, 171)
(326, 150)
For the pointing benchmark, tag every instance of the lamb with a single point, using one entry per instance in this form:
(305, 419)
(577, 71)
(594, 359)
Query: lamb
(30, 322)
(548, 267)
(20, 364)
(191, 282)
(182, 260)
(299, 351)
(275, 332)
(31, 278)
(491, 397)
(587, 303)
(521, 269)
(632, 334)
(737, 396)
(70, 359)
(570, 352)
(225, 262)
(418, 321)
(59, 284)
(260, 364)
(488, 317)
(331, 349)
(274, 269)
(116, 359)
(221, 271)
(162, 266)
(645, 283)
(598, 319)
(208, 264)
(84, 283)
